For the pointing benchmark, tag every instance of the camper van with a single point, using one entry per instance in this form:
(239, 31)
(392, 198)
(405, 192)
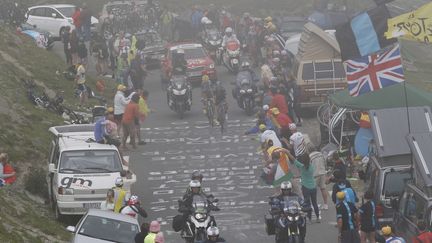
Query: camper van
(318, 67)
(80, 171)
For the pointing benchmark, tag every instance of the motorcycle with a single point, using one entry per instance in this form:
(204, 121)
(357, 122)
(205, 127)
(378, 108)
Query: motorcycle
(195, 229)
(179, 95)
(213, 41)
(231, 57)
(287, 224)
(245, 92)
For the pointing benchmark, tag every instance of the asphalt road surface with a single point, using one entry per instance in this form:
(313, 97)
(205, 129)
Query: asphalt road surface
(230, 162)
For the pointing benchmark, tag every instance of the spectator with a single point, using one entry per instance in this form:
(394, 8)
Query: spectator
(159, 238)
(318, 161)
(196, 17)
(268, 134)
(368, 220)
(279, 101)
(85, 20)
(76, 18)
(344, 185)
(81, 82)
(120, 102)
(281, 119)
(389, 237)
(144, 111)
(82, 52)
(128, 122)
(154, 230)
(8, 173)
(139, 238)
(100, 52)
(66, 45)
(137, 71)
(347, 217)
(108, 204)
(424, 236)
(308, 182)
(167, 20)
(105, 129)
(73, 46)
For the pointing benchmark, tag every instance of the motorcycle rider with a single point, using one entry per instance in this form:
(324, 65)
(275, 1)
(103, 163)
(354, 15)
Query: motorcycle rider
(120, 195)
(229, 36)
(133, 208)
(220, 98)
(179, 63)
(244, 77)
(213, 235)
(277, 204)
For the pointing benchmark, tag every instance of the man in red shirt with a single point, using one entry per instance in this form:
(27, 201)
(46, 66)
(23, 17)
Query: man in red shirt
(283, 120)
(76, 18)
(279, 102)
(424, 236)
(128, 121)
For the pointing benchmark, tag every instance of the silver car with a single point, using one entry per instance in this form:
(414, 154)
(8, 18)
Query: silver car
(104, 226)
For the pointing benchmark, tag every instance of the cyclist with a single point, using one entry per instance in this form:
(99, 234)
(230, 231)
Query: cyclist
(220, 99)
(207, 92)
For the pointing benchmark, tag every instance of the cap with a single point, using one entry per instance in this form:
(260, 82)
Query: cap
(292, 126)
(109, 110)
(121, 87)
(340, 195)
(266, 107)
(154, 226)
(275, 111)
(262, 127)
(386, 230)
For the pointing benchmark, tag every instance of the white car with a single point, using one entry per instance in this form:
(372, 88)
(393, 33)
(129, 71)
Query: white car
(104, 226)
(53, 18)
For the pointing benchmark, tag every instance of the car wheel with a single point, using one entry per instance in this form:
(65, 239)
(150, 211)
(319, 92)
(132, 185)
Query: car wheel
(61, 32)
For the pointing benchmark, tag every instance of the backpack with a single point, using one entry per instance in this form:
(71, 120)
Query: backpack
(349, 194)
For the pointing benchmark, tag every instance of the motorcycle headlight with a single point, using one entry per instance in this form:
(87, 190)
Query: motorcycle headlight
(249, 90)
(199, 216)
(297, 218)
(290, 218)
(179, 92)
(211, 66)
(242, 91)
(235, 61)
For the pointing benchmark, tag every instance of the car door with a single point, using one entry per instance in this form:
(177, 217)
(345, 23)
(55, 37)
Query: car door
(53, 21)
(414, 210)
(36, 17)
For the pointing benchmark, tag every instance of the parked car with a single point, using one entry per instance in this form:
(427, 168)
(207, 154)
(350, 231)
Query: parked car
(154, 50)
(54, 18)
(42, 38)
(390, 161)
(104, 226)
(415, 203)
(197, 58)
(80, 172)
(289, 26)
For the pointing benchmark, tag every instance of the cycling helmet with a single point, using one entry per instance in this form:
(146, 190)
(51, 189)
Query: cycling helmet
(119, 182)
(196, 175)
(205, 78)
(228, 30)
(212, 231)
(386, 230)
(133, 200)
(268, 19)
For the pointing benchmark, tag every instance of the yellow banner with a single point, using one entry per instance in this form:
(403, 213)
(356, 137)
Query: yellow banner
(415, 25)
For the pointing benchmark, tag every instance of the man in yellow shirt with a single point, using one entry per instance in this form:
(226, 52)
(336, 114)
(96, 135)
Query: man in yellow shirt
(154, 229)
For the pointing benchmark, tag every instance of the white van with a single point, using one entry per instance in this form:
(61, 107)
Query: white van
(81, 171)
(54, 18)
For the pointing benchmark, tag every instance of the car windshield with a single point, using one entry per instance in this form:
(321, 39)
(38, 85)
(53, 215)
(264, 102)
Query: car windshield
(90, 161)
(394, 182)
(108, 229)
(67, 11)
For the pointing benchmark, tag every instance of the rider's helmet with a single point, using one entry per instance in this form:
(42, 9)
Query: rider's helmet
(268, 19)
(204, 20)
(276, 53)
(213, 233)
(119, 182)
(133, 200)
(245, 65)
(286, 187)
(228, 31)
(197, 175)
(284, 53)
(244, 82)
(386, 230)
(195, 186)
(276, 60)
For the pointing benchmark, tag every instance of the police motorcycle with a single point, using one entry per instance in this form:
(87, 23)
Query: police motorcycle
(199, 218)
(212, 40)
(245, 91)
(231, 57)
(179, 94)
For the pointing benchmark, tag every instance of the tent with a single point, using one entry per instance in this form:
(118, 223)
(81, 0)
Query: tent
(389, 97)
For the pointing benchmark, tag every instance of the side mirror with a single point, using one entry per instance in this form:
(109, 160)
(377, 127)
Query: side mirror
(52, 168)
(71, 229)
(54, 15)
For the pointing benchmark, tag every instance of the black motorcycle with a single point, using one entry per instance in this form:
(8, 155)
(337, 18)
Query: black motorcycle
(245, 92)
(287, 224)
(179, 95)
(212, 40)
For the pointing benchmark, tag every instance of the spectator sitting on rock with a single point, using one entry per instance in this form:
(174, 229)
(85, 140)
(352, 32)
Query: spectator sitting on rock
(8, 174)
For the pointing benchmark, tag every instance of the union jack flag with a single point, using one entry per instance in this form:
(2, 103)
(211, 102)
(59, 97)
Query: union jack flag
(374, 72)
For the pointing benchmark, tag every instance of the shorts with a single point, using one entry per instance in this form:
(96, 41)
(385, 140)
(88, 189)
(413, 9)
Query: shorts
(367, 229)
(118, 118)
(320, 181)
